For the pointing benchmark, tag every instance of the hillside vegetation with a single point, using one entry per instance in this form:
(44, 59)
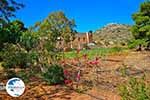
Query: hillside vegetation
(113, 34)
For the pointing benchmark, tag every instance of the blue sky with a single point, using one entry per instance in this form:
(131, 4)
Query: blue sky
(88, 14)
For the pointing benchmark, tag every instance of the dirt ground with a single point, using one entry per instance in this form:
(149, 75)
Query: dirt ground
(137, 63)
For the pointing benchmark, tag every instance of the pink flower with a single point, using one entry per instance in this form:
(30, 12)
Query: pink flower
(66, 72)
(94, 62)
(89, 62)
(78, 76)
(67, 81)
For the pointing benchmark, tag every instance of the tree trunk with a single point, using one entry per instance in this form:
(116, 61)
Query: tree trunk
(139, 48)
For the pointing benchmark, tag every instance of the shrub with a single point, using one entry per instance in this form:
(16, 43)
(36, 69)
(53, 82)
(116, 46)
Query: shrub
(135, 43)
(14, 56)
(54, 75)
(135, 89)
(29, 40)
(25, 75)
(10, 74)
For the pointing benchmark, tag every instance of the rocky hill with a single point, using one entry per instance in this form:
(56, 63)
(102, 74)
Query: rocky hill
(113, 34)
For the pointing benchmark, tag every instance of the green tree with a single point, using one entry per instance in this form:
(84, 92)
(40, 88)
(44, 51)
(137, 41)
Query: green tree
(11, 32)
(8, 9)
(57, 25)
(141, 29)
(29, 39)
(46, 34)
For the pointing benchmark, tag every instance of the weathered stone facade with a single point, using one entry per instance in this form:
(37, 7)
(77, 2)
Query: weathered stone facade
(81, 39)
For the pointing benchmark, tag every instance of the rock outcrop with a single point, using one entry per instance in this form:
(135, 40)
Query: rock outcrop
(113, 34)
